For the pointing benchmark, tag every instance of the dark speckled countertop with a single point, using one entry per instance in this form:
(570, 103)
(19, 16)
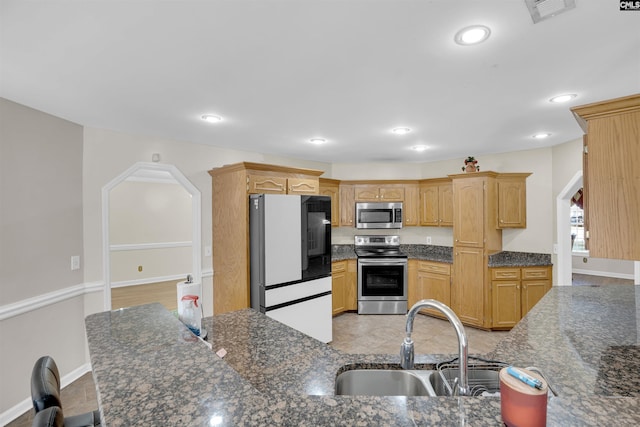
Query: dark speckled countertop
(445, 254)
(150, 371)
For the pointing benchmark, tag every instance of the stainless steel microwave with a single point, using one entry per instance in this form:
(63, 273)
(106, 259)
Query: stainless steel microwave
(379, 215)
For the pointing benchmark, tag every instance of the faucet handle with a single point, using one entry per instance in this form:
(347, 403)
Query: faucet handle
(406, 353)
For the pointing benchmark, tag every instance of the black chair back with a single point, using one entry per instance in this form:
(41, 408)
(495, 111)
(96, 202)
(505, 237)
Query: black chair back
(45, 384)
(49, 417)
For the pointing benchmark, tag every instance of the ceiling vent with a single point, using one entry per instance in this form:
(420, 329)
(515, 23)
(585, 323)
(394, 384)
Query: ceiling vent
(545, 9)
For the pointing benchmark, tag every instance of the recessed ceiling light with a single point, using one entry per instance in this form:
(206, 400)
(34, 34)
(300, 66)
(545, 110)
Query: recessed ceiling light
(211, 118)
(542, 135)
(317, 141)
(401, 131)
(472, 35)
(563, 98)
(419, 148)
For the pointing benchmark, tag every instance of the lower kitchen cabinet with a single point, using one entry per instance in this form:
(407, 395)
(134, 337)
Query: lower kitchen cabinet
(343, 286)
(515, 291)
(433, 281)
(468, 289)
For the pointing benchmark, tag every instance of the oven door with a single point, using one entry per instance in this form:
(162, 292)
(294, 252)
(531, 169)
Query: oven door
(382, 279)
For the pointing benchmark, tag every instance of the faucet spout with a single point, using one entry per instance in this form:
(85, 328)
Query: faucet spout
(407, 348)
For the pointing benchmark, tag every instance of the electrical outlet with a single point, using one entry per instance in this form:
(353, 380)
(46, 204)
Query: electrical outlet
(75, 262)
(555, 248)
(207, 251)
(428, 240)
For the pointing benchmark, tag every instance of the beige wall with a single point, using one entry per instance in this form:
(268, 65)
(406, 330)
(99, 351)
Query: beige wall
(41, 226)
(149, 213)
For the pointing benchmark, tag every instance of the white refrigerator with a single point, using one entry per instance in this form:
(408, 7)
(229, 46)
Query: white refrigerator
(290, 250)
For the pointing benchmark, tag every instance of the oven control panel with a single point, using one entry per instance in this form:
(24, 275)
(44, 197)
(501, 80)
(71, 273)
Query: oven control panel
(377, 240)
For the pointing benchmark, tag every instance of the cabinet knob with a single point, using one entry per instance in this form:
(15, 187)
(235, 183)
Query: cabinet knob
(502, 220)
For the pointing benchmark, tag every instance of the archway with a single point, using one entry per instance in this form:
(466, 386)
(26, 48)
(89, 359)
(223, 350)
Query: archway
(563, 227)
(158, 172)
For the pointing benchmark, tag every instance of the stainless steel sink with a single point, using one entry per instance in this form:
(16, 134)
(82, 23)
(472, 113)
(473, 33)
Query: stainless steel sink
(480, 380)
(383, 382)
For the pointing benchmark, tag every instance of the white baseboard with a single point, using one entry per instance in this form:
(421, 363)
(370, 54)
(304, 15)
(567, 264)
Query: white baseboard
(26, 404)
(603, 273)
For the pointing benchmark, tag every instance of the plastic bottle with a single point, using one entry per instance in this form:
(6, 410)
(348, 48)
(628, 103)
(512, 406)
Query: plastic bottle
(191, 315)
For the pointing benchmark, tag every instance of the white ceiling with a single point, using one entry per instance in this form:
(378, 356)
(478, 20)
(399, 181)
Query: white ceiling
(283, 71)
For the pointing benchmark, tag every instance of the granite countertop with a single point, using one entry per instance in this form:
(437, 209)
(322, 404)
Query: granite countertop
(445, 254)
(149, 370)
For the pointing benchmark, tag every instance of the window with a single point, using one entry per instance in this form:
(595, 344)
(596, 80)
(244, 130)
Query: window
(577, 223)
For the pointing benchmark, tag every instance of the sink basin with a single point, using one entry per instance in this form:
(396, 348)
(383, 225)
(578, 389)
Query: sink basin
(383, 382)
(480, 380)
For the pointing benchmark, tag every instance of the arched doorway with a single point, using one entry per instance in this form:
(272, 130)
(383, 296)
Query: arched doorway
(158, 173)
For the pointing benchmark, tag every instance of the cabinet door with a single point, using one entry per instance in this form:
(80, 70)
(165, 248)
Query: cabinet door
(261, 184)
(434, 286)
(391, 194)
(468, 212)
(333, 192)
(366, 193)
(338, 286)
(612, 202)
(411, 205)
(445, 205)
(505, 303)
(429, 215)
(512, 203)
(303, 186)
(347, 206)
(467, 297)
(351, 302)
(532, 292)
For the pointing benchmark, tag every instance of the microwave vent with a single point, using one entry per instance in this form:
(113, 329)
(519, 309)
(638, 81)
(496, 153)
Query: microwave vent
(545, 9)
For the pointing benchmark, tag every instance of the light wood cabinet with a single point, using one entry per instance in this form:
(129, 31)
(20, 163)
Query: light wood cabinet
(469, 293)
(411, 205)
(475, 238)
(379, 193)
(434, 282)
(231, 186)
(339, 286)
(277, 184)
(611, 178)
(436, 203)
(344, 286)
(331, 188)
(515, 291)
(512, 200)
(347, 206)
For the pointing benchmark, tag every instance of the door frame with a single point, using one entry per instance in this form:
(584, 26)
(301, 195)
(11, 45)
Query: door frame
(563, 228)
(196, 221)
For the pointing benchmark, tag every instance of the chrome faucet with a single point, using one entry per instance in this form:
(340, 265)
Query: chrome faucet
(407, 353)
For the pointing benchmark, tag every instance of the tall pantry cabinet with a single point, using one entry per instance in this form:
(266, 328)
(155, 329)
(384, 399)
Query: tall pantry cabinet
(231, 186)
(475, 237)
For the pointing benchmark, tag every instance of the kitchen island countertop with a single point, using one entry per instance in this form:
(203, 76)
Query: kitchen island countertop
(149, 370)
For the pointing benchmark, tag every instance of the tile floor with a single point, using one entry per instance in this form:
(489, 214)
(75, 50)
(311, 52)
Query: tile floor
(354, 334)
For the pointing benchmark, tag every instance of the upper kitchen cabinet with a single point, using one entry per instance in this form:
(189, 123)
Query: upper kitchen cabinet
(271, 182)
(411, 206)
(512, 200)
(611, 176)
(436, 202)
(347, 206)
(331, 188)
(378, 192)
(474, 210)
(231, 186)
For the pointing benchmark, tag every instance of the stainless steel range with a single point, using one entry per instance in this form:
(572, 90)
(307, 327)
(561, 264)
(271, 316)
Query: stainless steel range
(382, 275)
